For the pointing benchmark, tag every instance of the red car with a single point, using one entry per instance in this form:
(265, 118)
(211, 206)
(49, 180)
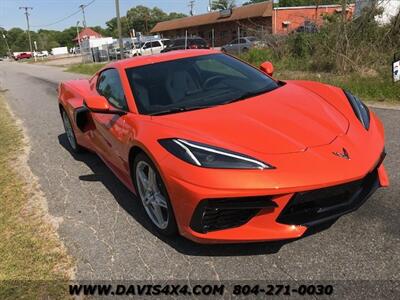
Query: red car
(23, 55)
(220, 151)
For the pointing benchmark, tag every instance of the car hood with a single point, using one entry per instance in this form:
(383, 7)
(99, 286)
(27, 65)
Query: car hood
(288, 119)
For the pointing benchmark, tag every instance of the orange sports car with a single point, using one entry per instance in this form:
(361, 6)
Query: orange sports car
(221, 152)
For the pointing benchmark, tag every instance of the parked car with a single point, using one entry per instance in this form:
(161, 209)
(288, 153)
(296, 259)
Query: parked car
(41, 54)
(147, 48)
(115, 53)
(241, 45)
(308, 27)
(23, 55)
(191, 43)
(219, 151)
(166, 42)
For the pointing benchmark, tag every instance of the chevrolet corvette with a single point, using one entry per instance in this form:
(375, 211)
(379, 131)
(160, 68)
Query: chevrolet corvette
(220, 151)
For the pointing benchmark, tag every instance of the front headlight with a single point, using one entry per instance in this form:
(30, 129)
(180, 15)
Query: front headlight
(209, 156)
(360, 109)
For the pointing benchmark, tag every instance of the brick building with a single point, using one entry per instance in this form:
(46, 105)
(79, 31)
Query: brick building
(286, 19)
(250, 20)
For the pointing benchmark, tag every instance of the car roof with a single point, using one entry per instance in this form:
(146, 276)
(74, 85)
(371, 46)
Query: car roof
(156, 58)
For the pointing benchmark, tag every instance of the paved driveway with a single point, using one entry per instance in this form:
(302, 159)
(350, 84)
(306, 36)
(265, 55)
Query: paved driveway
(103, 229)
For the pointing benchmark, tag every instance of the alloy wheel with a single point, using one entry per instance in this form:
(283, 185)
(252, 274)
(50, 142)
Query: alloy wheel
(154, 202)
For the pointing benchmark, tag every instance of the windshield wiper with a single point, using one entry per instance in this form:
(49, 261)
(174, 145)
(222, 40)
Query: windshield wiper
(178, 109)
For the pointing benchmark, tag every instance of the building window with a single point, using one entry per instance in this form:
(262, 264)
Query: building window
(285, 25)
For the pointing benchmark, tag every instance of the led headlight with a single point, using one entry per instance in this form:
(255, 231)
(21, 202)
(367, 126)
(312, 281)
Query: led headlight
(360, 109)
(209, 156)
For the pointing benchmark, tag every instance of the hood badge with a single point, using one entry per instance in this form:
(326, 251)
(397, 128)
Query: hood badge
(344, 154)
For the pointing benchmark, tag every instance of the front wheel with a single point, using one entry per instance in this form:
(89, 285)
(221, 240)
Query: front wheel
(151, 190)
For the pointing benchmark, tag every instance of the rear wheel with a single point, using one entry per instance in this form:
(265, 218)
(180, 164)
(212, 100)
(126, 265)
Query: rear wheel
(153, 195)
(69, 131)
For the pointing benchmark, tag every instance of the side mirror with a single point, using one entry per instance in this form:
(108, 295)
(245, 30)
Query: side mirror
(267, 68)
(99, 104)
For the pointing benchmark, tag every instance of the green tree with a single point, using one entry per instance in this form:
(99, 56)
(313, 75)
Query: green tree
(222, 4)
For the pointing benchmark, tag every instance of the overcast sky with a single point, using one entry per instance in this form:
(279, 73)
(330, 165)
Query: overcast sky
(49, 11)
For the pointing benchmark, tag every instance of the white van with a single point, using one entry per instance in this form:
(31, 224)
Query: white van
(148, 48)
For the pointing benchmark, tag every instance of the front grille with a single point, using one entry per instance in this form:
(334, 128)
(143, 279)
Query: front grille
(318, 206)
(218, 214)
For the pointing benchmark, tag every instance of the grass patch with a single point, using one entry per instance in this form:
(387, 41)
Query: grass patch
(33, 264)
(88, 69)
(377, 86)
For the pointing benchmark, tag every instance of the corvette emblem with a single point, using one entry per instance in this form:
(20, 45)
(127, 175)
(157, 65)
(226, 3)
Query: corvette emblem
(344, 154)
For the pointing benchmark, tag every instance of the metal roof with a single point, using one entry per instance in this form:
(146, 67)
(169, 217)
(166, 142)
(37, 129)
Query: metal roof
(262, 9)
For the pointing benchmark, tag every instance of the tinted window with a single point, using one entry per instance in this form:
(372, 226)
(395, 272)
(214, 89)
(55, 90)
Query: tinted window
(177, 43)
(155, 44)
(195, 82)
(109, 85)
(200, 42)
(243, 41)
(234, 42)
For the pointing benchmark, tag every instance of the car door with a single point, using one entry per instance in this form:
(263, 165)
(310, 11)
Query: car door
(146, 49)
(231, 47)
(242, 45)
(111, 133)
(156, 47)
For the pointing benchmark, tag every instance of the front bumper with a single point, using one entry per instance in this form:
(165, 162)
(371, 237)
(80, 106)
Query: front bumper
(235, 216)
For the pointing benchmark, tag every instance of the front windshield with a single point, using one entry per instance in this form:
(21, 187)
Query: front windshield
(194, 83)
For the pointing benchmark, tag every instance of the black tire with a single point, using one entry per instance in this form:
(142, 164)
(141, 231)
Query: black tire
(73, 143)
(171, 228)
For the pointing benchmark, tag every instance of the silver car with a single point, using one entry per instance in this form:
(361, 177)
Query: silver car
(241, 45)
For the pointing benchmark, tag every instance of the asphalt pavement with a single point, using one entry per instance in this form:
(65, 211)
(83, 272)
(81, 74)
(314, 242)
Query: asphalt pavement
(105, 231)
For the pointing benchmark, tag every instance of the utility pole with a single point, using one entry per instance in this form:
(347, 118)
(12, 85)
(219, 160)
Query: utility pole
(191, 6)
(121, 46)
(79, 38)
(27, 8)
(82, 7)
(5, 40)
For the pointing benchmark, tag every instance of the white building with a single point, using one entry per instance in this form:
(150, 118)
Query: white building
(390, 9)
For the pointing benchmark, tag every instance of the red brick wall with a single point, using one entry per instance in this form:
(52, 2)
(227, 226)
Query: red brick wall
(297, 15)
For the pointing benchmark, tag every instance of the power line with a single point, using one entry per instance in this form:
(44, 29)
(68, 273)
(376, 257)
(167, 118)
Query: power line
(27, 8)
(64, 18)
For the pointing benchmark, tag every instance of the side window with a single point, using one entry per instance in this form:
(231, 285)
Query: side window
(234, 41)
(109, 85)
(147, 45)
(155, 44)
(243, 41)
